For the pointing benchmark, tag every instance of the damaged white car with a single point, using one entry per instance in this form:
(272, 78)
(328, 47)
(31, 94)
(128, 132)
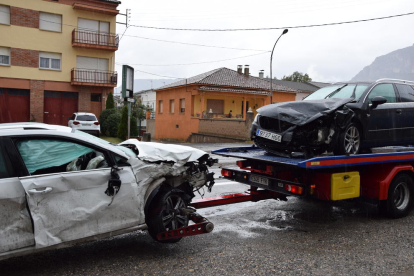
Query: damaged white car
(61, 186)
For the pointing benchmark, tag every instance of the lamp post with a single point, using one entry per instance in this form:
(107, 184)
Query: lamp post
(271, 59)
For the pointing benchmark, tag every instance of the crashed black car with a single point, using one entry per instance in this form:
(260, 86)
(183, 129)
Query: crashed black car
(343, 118)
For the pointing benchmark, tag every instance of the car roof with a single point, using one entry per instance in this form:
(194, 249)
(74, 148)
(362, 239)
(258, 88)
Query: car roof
(37, 129)
(84, 113)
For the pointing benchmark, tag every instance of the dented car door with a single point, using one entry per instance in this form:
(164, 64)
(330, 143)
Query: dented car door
(66, 199)
(16, 230)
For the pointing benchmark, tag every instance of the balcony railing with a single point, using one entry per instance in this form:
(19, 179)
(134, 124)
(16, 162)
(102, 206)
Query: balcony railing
(88, 77)
(95, 40)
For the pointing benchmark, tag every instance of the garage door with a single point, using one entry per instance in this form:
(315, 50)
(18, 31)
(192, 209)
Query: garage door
(59, 106)
(14, 105)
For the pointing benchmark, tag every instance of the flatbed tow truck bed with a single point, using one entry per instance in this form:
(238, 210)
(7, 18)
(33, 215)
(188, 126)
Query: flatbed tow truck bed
(383, 178)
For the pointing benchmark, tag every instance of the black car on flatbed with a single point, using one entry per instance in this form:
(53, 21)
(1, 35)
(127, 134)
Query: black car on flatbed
(343, 118)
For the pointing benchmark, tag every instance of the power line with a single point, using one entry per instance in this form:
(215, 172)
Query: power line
(194, 44)
(272, 28)
(136, 70)
(204, 62)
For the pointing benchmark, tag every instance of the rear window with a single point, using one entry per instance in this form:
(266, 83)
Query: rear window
(89, 118)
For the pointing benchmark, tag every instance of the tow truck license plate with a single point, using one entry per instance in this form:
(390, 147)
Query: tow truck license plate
(269, 135)
(259, 180)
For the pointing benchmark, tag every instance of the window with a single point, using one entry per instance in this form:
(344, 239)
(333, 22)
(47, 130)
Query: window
(216, 106)
(160, 106)
(6, 169)
(182, 105)
(96, 98)
(86, 118)
(171, 106)
(4, 56)
(49, 61)
(50, 22)
(4, 15)
(42, 156)
(93, 31)
(406, 92)
(385, 90)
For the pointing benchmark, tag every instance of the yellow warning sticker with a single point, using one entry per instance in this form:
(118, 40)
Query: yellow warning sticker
(315, 163)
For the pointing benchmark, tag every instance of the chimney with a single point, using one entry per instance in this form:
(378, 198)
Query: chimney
(239, 69)
(261, 74)
(246, 70)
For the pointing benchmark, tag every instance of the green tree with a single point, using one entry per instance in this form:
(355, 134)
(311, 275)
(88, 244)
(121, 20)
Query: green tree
(297, 77)
(123, 126)
(103, 119)
(110, 101)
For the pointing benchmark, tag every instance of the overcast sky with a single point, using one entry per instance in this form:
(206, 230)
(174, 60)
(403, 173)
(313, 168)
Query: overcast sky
(327, 54)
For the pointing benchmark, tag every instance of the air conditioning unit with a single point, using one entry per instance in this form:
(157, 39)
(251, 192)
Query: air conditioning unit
(113, 79)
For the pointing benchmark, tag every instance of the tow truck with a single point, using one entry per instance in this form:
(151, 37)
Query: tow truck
(383, 178)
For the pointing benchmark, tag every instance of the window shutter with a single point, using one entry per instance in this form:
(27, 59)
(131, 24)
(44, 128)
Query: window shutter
(88, 25)
(50, 22)
(4, 15)
(4, 51)
(50, 55)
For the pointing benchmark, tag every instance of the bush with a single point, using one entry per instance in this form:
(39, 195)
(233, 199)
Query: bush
(113, 124)
(104, 117)
(110, 103)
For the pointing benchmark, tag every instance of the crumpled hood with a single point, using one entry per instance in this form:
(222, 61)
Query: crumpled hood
(302, 112)
(153, 152)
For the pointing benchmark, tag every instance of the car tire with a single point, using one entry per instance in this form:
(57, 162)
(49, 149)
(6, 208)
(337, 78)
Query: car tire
(165, 214)
(97, 134)
(349, 141)
(400, 197)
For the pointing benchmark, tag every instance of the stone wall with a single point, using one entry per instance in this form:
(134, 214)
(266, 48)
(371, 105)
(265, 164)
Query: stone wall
(237, 129)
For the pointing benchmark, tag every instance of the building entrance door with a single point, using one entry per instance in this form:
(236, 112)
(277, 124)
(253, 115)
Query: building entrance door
(59, 106)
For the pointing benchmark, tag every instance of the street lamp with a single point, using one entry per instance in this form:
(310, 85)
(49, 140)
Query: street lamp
(271, 59)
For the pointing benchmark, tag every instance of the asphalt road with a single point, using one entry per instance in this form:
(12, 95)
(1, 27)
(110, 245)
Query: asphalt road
(297, 237)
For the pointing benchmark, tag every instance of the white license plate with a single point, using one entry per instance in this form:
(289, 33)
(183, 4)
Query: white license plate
(269, 135)
(259, 180)
(86, 124)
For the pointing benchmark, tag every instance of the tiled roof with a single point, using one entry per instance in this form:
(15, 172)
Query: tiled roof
(300, 86)
(227, 77)
(111, 1)
(319, 84)
(209, 88)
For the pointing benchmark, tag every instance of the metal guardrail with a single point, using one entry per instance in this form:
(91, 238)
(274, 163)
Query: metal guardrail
(95, 38)
(94, 76)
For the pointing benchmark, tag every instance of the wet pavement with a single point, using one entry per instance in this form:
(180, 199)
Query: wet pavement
(297, 237)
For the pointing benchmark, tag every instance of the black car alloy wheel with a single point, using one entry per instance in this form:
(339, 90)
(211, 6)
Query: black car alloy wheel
(349, 141)
(166, 214)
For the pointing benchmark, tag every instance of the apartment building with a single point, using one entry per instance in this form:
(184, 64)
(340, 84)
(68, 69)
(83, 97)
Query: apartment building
(56, 57)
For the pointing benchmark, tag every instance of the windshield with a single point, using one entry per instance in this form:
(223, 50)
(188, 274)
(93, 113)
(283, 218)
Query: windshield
(338, 91)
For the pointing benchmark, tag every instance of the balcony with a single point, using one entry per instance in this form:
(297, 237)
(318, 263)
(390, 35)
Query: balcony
(95, 40)
(86, 77)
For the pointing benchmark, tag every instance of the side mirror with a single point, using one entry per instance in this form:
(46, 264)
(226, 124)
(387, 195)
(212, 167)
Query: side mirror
(377, 100)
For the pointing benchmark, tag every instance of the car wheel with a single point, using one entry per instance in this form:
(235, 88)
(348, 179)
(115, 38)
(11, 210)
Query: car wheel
(97, 134)
(165, 214)
(349, 141)
(400, 197)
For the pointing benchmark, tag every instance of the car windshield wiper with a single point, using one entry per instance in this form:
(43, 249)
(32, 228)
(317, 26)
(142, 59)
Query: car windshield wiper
(336, 91)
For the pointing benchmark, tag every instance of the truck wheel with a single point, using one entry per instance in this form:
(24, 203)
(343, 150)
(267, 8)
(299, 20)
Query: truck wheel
(349, 141)
(400, 197)
(165, 214)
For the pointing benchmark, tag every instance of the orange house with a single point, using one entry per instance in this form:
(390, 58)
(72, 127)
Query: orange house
(218, 103)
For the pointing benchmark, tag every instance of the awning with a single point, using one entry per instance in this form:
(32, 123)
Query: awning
(90, 8)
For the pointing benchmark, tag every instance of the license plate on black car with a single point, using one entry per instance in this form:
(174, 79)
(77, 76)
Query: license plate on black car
(269, 135)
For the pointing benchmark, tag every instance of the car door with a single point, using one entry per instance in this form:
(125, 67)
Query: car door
(16, 229)
(405, 113)
(66, 195)
(382, 120)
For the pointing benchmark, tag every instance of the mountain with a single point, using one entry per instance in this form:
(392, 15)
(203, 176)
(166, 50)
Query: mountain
(145, 84)
(398, 64)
